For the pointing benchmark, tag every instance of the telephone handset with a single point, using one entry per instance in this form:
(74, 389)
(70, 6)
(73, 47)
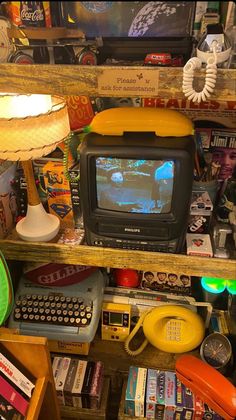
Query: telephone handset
(171, 328)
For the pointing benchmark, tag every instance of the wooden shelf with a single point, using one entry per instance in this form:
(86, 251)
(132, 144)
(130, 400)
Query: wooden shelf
(14, 249)
(33, 354)
(166, 82)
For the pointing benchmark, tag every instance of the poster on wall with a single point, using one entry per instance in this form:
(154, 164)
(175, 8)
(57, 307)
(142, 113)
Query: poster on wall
(130, 19)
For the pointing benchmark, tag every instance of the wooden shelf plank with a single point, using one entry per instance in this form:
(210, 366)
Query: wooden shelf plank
(45, 33)
(118, 258)
(86, 80)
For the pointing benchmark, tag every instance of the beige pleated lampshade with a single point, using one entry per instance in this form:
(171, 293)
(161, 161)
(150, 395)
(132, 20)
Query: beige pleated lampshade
(31, 126)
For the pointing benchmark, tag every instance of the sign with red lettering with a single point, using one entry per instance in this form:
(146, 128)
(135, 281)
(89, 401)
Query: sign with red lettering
(59, 274)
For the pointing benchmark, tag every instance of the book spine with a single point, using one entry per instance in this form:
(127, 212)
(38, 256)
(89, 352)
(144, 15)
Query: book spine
(78, 384)
(13, 397)
(7, 411)
(70, 378)
(14, 375)
(87, 384)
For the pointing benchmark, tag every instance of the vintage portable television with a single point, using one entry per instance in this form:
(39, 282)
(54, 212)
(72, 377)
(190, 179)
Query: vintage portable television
(115, 321)
(69, 313)
(136, 179)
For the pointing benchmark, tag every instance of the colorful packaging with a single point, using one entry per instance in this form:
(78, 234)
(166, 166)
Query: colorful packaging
(8, 204)
(59, 195)
(80, 111)
(135, 392)
(161, 381)
(166, 282)
(29, 13)
(151, 394)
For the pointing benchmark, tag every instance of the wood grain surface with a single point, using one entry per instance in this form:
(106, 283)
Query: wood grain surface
(83, 80)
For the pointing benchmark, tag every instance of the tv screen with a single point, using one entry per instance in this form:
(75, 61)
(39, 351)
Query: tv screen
(134, 185)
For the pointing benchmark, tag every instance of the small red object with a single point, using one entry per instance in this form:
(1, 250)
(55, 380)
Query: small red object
(126, 277)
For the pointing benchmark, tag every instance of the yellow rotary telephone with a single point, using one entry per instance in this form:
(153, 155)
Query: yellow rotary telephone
(171, 328)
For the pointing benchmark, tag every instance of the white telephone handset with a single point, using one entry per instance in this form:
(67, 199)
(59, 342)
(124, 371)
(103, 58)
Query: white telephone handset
(214, 48)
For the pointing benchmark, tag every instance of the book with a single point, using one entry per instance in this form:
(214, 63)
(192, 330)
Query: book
(13, 397)
(9, 369)
(7, 411)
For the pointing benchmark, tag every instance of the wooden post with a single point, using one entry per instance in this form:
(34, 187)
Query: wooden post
(33, 197)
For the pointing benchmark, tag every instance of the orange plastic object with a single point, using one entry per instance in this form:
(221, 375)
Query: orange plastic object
(209, 384)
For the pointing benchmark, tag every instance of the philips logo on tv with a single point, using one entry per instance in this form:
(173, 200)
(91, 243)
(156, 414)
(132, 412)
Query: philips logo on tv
(132, 230)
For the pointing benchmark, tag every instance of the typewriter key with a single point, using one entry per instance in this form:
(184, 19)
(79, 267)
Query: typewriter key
(84, 321)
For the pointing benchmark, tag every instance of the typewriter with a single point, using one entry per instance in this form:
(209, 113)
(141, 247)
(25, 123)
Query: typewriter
(69, 313)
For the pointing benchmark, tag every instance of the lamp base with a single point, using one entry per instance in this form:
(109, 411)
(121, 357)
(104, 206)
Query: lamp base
(38, 225)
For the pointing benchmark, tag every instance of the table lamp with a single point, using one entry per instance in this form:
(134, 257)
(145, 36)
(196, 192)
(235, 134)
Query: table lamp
(31, 126)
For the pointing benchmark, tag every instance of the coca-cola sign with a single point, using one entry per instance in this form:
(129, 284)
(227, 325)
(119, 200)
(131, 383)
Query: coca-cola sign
(35, 16)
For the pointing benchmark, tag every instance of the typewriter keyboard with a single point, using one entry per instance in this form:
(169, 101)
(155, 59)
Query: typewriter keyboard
(53, 309)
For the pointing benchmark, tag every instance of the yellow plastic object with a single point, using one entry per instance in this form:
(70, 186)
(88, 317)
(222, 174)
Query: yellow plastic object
(170, 328)
(164, 122)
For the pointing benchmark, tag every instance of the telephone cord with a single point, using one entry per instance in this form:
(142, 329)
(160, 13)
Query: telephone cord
(210, 79)
(132, 334)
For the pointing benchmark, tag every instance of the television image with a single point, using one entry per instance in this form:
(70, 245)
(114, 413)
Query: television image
(134, 186)
(136, 190)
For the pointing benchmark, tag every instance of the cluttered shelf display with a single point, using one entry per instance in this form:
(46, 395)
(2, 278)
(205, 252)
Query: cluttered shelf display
(125, 299)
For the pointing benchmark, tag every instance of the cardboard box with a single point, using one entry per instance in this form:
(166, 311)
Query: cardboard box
(68, 347)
